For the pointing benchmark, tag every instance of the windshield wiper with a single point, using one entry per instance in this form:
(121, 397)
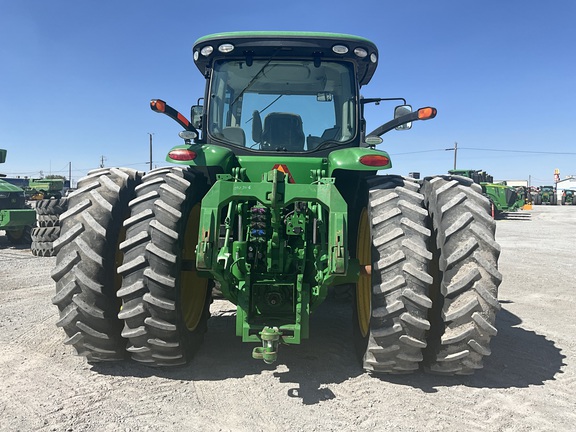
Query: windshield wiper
(253, 80)
(265, 108)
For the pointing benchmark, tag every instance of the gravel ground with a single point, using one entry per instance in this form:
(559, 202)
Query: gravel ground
(527, 384)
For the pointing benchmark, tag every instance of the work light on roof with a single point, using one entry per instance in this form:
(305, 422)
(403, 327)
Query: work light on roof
(196, 55)
(226, 48)
(360, 52)
(373, 58)
(207, 50)
(340, 49)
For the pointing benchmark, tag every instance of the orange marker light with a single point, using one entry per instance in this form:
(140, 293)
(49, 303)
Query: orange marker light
(158, 105)
(374, 160)
(426, 113)
(182, 155)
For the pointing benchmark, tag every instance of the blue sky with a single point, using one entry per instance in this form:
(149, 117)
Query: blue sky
(77, 77)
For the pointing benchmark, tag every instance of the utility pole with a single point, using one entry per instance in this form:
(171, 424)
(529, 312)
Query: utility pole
(150, 133)
(102, 159)
(455, 149)
(70, 174)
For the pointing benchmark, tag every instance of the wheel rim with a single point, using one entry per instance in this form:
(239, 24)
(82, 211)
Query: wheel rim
(364, 284)
(193, 288)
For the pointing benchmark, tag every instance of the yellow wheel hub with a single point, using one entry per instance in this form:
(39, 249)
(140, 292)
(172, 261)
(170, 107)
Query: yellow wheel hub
(193, 289)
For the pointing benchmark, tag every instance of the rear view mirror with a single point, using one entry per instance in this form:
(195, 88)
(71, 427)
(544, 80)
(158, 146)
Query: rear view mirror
(400, 111)
(324, 97)
(196, 114)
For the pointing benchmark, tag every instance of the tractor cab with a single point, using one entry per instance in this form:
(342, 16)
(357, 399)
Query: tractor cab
(290, 93)
(293, 93)
(283, 92)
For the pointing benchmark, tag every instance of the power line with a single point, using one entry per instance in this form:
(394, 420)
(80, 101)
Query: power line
(518, 151)
(416, 152)
(488, 150)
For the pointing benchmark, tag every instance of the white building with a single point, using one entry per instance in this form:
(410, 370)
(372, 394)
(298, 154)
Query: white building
(566, 183)
(515, 183)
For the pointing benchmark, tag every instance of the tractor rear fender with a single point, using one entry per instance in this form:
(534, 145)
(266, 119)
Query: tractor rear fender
(358, 159)
(351, 159)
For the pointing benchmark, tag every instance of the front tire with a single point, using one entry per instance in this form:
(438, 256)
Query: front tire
(466, 279)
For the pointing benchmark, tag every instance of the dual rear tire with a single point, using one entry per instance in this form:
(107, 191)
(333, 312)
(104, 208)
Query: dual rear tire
(125, 281)
(431, 299)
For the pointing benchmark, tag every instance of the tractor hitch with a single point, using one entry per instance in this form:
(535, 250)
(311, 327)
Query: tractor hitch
(270, 341)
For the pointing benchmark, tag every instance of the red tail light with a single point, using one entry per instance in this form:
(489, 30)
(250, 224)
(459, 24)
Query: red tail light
(374, 160)
(182, 155)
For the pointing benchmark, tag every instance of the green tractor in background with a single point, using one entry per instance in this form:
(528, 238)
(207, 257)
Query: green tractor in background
(37, 189)
(32, 218)
(503, 198)
(546, 195)
(16, 218)
(45, 188)
(568, 197)
(275, 197)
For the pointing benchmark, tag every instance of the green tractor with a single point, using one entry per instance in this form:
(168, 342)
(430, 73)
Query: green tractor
(503, 198)
(274, 197)
(16, 218)
(546, 195)
(568, 197)
(45, 188)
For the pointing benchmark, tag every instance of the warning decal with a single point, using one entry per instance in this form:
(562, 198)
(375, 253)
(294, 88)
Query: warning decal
(284, 169)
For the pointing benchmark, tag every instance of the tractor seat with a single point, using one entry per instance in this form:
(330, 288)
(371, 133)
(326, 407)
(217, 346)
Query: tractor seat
(283, 131)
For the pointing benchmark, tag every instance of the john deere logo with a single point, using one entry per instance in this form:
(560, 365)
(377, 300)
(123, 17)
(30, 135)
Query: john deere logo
(284, 169)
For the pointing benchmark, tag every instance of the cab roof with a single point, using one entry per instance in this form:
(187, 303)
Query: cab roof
(288, 44)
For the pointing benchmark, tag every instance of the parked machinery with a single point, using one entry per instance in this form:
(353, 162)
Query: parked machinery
(275, 196)
(16, 217)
